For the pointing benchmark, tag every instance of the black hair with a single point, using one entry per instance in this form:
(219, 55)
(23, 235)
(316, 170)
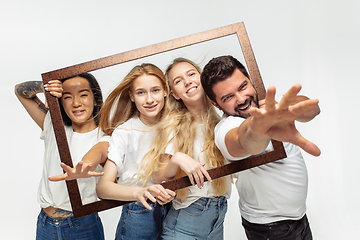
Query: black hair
(219, 69)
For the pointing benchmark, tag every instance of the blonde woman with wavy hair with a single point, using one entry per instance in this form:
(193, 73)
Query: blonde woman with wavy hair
(129, 115)
(197, 211)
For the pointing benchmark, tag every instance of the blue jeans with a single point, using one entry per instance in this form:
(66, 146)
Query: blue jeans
(137, 222)
(282, 230)
(203, 219)
(87, 227)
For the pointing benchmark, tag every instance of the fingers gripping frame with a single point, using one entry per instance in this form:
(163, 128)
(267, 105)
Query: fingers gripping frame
(238, 28)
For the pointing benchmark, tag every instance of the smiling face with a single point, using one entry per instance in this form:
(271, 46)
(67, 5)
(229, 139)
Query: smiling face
(185, 83)
(235, 95)
(78, 103)
(147, 92)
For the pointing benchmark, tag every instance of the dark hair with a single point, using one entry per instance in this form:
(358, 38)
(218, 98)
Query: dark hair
(95, 88)
(219, 69)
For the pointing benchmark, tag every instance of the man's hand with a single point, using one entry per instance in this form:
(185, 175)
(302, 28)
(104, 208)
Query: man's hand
(277, 120)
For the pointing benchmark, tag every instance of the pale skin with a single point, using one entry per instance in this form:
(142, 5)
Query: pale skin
(108, 189)
(185, 84)
(148, 95)
(271, 121)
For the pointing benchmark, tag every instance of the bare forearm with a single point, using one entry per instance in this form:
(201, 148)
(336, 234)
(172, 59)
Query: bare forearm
(171, 168)
(114, 191)
(250, 140)
(27, 91)
(96, 155)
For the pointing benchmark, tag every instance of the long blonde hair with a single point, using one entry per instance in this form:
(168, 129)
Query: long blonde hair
(181, 125)
(119, 103)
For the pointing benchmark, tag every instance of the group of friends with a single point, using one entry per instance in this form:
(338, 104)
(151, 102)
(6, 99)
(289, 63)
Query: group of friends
(157, 126)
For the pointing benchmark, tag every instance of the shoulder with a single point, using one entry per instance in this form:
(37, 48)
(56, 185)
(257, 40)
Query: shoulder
(227, 123)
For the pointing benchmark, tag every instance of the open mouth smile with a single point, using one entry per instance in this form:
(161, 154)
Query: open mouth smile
(78, 112)
(190, 90)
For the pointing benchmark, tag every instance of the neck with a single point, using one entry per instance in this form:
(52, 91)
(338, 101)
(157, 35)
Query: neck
(149, 121)
(197, 109)
(84, 127)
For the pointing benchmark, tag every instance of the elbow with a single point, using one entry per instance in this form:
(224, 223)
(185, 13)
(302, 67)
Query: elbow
(99, 191)
(16, 89)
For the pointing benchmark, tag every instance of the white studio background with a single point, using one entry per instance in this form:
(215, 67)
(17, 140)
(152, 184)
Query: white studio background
(315, 43)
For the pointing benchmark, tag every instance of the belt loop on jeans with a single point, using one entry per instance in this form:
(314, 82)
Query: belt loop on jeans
(43, 219)
(69, 220)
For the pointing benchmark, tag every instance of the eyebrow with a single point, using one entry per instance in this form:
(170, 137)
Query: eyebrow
(191, 69)
(239, 87)
(227, 95)
(83, 90)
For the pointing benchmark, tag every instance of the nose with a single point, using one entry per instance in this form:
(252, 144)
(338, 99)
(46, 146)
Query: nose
(76, 101)
(187, 81)
(240, 98)
(149, 98)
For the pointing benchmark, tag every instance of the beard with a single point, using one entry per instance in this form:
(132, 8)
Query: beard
(240, 113)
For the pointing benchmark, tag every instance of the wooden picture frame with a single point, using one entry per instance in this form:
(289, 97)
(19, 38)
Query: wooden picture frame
(238, 29)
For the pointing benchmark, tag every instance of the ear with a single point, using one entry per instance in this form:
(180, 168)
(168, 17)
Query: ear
(175, 95)
(131, 96)
(215, 105)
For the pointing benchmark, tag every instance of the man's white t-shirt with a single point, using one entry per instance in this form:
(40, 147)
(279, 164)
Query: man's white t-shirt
(272, 192)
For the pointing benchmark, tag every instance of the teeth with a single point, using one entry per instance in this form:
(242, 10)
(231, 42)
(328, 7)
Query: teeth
(245, 107)
(191, 90)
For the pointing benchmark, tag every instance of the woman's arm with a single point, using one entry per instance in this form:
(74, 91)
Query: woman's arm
(26, 93)
(108, 189)
(194, 169)
(85, 168)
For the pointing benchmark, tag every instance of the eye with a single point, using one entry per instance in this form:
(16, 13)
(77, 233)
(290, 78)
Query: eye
(243, 85)
(140, 92)
(156, 90)
(66, 97)
(226, 98)
(177, 81)
(83, 95)
(192, 74)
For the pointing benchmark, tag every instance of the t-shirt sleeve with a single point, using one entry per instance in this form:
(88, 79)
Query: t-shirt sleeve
(117, 145)
(221, 129)
(104, 137)
(170, 148)
(46, 126)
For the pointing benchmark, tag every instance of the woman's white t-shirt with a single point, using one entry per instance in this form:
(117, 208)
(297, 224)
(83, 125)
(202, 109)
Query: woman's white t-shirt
(55, 194)
(194, 191)
(128, 145)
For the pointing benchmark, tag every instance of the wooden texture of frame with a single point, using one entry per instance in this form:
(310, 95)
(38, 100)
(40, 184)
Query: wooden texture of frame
(238, 28)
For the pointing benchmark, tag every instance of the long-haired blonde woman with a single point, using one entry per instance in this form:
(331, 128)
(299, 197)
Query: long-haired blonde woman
(129, 115)
(197, 211)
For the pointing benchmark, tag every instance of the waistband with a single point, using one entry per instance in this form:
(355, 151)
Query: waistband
(212, 201)
(304, 218)
(43, 217)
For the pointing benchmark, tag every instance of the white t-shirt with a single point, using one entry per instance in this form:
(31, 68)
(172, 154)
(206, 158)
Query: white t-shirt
(272, 192)
(55, 194)
(194, 192)
(128, 145)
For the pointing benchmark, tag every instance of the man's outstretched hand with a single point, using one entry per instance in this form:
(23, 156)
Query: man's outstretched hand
(277, 120)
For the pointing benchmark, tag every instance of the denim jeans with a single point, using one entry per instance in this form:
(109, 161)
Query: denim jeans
(282, 230)
(87, 227)
(203, 219)
(137, 222)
